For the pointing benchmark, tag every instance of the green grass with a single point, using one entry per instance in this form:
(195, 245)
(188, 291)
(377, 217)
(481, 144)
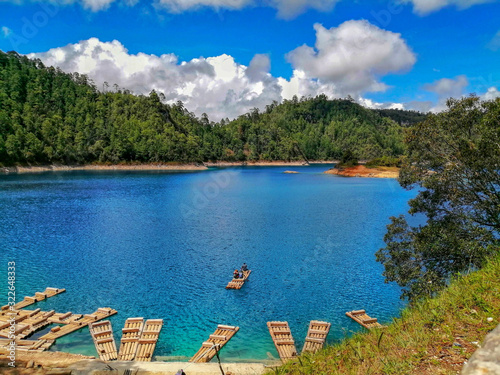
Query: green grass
(434, 336)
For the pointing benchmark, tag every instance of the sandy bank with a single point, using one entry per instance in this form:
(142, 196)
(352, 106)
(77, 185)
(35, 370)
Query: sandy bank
(66, 363)
(362, 171)
(117, 167)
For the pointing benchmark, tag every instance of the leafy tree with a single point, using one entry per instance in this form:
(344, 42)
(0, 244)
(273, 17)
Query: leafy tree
(454, 161)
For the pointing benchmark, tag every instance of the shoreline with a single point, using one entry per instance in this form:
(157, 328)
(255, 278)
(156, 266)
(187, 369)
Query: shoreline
(181, 167)
(61, 362)
(363, 171)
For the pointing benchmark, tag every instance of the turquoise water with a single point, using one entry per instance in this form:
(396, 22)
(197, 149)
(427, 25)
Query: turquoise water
(164, 245)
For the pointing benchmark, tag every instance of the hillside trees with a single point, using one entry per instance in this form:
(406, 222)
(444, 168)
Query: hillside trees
(454, 161)
(48, 116)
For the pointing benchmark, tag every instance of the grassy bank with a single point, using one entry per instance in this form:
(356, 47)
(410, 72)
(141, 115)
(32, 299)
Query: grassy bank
(434, 337)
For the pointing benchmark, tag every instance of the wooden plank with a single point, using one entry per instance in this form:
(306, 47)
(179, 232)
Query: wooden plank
(215, 342)
(75, 325)
(131, 333)
(147, 342)
(364, 319)
(316, 336)
(283, 341)
(102, 335)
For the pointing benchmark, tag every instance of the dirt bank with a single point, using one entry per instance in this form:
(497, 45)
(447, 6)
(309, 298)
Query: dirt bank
(362, 171)
(47, 363)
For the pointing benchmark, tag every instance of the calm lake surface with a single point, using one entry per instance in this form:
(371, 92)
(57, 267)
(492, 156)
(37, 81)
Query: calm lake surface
(164, 245)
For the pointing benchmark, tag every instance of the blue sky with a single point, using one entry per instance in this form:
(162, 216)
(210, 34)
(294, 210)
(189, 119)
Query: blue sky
(384, 53)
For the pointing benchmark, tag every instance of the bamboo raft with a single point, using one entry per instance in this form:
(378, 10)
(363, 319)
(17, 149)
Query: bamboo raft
(316, 336)
(131, 333)
(76, 324)
(362, 318)
(238, 283)
(26, 322)
(149, 337)
(39, 296)
(27, 345)
(215, 343)
(102, 334)
(283, 340)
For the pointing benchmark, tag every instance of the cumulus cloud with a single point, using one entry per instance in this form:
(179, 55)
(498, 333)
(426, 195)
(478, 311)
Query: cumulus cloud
(352, 57)
(286, 8)
(218, 86)
(491, 94)
(178, 6)
(424, 7)
(6, 31)
(446, 88)
(93, 5)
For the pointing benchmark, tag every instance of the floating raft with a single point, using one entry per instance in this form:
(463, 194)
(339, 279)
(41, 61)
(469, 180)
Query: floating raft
(102, 334)
(362, 318)
(39, 296)
(238, 283)
(27, 345)
(131, 333)
(215, 343)
(149, 337)
(26, 322)
(283, 340)
(76, 324)
(316, 336)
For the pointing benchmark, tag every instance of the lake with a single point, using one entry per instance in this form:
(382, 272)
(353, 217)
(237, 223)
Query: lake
(164, 245)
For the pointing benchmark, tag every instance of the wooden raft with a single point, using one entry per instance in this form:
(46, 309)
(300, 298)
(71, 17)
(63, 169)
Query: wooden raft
(149, 337)
(362, 318)
(131, 333)
(283, 340)
(26, 322)
(76, 324)
(102, 334)
(39, 296)
(220, 337)
(316, 336)
(238, 283)
(27, 345)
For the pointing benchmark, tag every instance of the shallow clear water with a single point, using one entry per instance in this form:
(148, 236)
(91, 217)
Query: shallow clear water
(164, 245)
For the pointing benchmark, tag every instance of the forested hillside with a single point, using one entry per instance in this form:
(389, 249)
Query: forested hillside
(47, 116)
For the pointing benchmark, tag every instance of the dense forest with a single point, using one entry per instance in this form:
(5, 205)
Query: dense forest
(48, 116)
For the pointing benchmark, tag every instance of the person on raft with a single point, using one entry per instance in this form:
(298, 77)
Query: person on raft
(244, 267)
(236, 274)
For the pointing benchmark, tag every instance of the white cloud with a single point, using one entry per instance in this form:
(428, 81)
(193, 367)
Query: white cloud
(218, 85)
(286, 8)
(96, 5)
(353, 57)
(178, 6)
(491, 94)
(424, 7)
(446, 88)
(222, 87)
(6, 31)
(93, 5)
(494, 43)
(290, 8)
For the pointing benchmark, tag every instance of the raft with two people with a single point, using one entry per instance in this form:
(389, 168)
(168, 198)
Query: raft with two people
(239, 277)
